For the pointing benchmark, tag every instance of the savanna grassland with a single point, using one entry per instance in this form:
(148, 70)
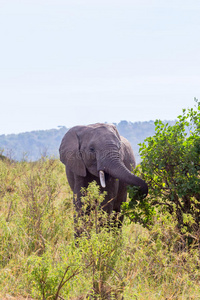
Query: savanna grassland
(156, 253)
(39, 258)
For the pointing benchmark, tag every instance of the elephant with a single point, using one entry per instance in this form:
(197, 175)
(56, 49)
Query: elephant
(97, 152)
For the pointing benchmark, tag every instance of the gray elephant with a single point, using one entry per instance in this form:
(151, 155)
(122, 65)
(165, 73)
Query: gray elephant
(98, 152)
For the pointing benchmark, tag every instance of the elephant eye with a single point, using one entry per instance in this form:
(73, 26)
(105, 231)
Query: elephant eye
(92, 149)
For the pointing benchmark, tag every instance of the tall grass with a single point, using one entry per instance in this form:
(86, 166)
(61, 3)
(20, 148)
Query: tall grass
(40, 259)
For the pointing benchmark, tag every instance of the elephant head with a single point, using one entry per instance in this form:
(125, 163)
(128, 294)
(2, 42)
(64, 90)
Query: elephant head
(99, 150)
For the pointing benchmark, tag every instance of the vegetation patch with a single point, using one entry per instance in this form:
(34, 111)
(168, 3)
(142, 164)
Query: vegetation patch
(155, 255)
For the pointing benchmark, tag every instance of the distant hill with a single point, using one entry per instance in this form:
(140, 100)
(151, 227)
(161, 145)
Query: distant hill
(31, 145)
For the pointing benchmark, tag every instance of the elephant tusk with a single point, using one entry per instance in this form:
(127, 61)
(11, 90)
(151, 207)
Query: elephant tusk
(102, 179)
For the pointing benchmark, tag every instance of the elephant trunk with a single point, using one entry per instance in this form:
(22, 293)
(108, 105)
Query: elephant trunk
(119, 171)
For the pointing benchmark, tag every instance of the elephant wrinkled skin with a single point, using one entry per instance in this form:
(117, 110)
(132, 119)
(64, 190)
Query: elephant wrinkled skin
(97, 152)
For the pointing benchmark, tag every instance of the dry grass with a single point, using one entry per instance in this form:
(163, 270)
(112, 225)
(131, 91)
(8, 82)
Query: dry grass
(37, 246)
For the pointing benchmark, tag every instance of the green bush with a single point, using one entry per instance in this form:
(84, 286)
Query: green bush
(171, 167)
(54, 272)
(101, 246)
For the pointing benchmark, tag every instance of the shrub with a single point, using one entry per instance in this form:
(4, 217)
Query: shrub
(101, 246)
(171, 166)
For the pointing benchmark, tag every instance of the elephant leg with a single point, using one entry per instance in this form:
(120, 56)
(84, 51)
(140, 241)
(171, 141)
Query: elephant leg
(121, 197)
(70, 178)
(76, 183)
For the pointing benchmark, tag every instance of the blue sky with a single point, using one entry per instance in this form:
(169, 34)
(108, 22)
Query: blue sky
(64, 63)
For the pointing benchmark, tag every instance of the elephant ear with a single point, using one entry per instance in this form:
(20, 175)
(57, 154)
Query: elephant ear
(70, 155)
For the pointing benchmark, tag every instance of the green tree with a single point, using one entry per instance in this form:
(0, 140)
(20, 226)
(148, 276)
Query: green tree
(171, 167)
